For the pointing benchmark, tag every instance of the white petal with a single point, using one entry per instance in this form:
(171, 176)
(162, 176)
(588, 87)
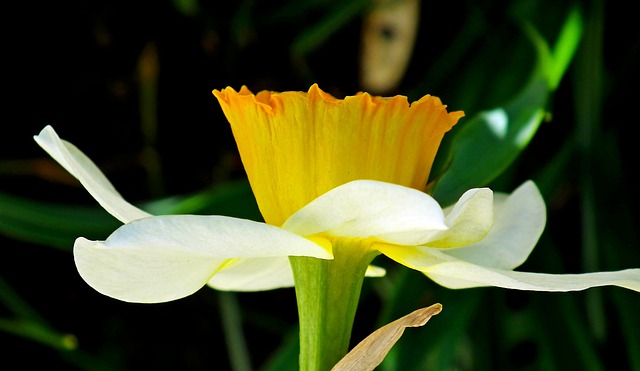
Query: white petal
(375, 271)
(81, 167)
(255, 274)
(164, 258)
(366, 208)
(457, 274)
(463, 275)
(519, 220)
(469, 221)
(259, 274)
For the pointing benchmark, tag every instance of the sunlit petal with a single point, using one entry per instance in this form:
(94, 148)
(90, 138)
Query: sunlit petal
(519, 221)
(367, 208)
(469, 220)
(81, 167)
(168, 257)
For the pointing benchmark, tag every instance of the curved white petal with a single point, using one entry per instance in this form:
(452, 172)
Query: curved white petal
(255, 274)
(457, 274)
(469, 220)
(367, 208)
(164, 258)
(81, 167)
(519, 221)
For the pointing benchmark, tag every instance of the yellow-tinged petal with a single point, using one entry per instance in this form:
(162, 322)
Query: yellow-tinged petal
(254, 274)
(295, 146)
(370, 209)
(469, 221)
(258, 274)
(453, 273)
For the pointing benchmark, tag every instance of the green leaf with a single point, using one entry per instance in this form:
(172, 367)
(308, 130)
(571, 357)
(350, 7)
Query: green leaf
(315, 35)
(483, 147)
(230, 199)
(58, 225)
(286, 355)
(556, 61)
(29, 324)
(489, 143)
(52, 224)
(38, 332)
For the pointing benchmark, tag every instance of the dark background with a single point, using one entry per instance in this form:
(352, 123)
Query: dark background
(75, 65)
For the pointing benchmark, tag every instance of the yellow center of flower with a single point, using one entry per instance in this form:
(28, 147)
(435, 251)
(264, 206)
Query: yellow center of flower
(296, 146)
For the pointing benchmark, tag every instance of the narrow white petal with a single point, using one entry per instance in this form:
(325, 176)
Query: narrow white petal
(164, 258)
(461, 274)
(457, 274)
(519, 220)
(81, 167)
(366, 208)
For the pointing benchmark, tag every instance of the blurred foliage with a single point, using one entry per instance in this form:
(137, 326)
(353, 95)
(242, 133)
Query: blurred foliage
(543, 85)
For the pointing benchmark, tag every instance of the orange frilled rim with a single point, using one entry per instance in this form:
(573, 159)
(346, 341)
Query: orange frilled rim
(296, 146)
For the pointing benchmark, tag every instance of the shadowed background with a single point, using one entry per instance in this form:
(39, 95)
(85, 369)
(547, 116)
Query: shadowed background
(130, 84)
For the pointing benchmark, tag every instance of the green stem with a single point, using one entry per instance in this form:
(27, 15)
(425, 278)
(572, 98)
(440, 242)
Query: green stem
(327, 292)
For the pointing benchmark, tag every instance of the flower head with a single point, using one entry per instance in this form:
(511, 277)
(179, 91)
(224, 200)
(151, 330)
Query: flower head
(326, 173)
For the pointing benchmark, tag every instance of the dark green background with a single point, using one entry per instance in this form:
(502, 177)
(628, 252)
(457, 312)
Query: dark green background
(74, 65)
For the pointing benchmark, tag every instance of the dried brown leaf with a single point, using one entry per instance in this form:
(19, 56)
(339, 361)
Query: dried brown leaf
(370, 352)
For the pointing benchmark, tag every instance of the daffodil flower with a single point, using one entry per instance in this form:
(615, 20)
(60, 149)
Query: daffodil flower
(338, 182)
